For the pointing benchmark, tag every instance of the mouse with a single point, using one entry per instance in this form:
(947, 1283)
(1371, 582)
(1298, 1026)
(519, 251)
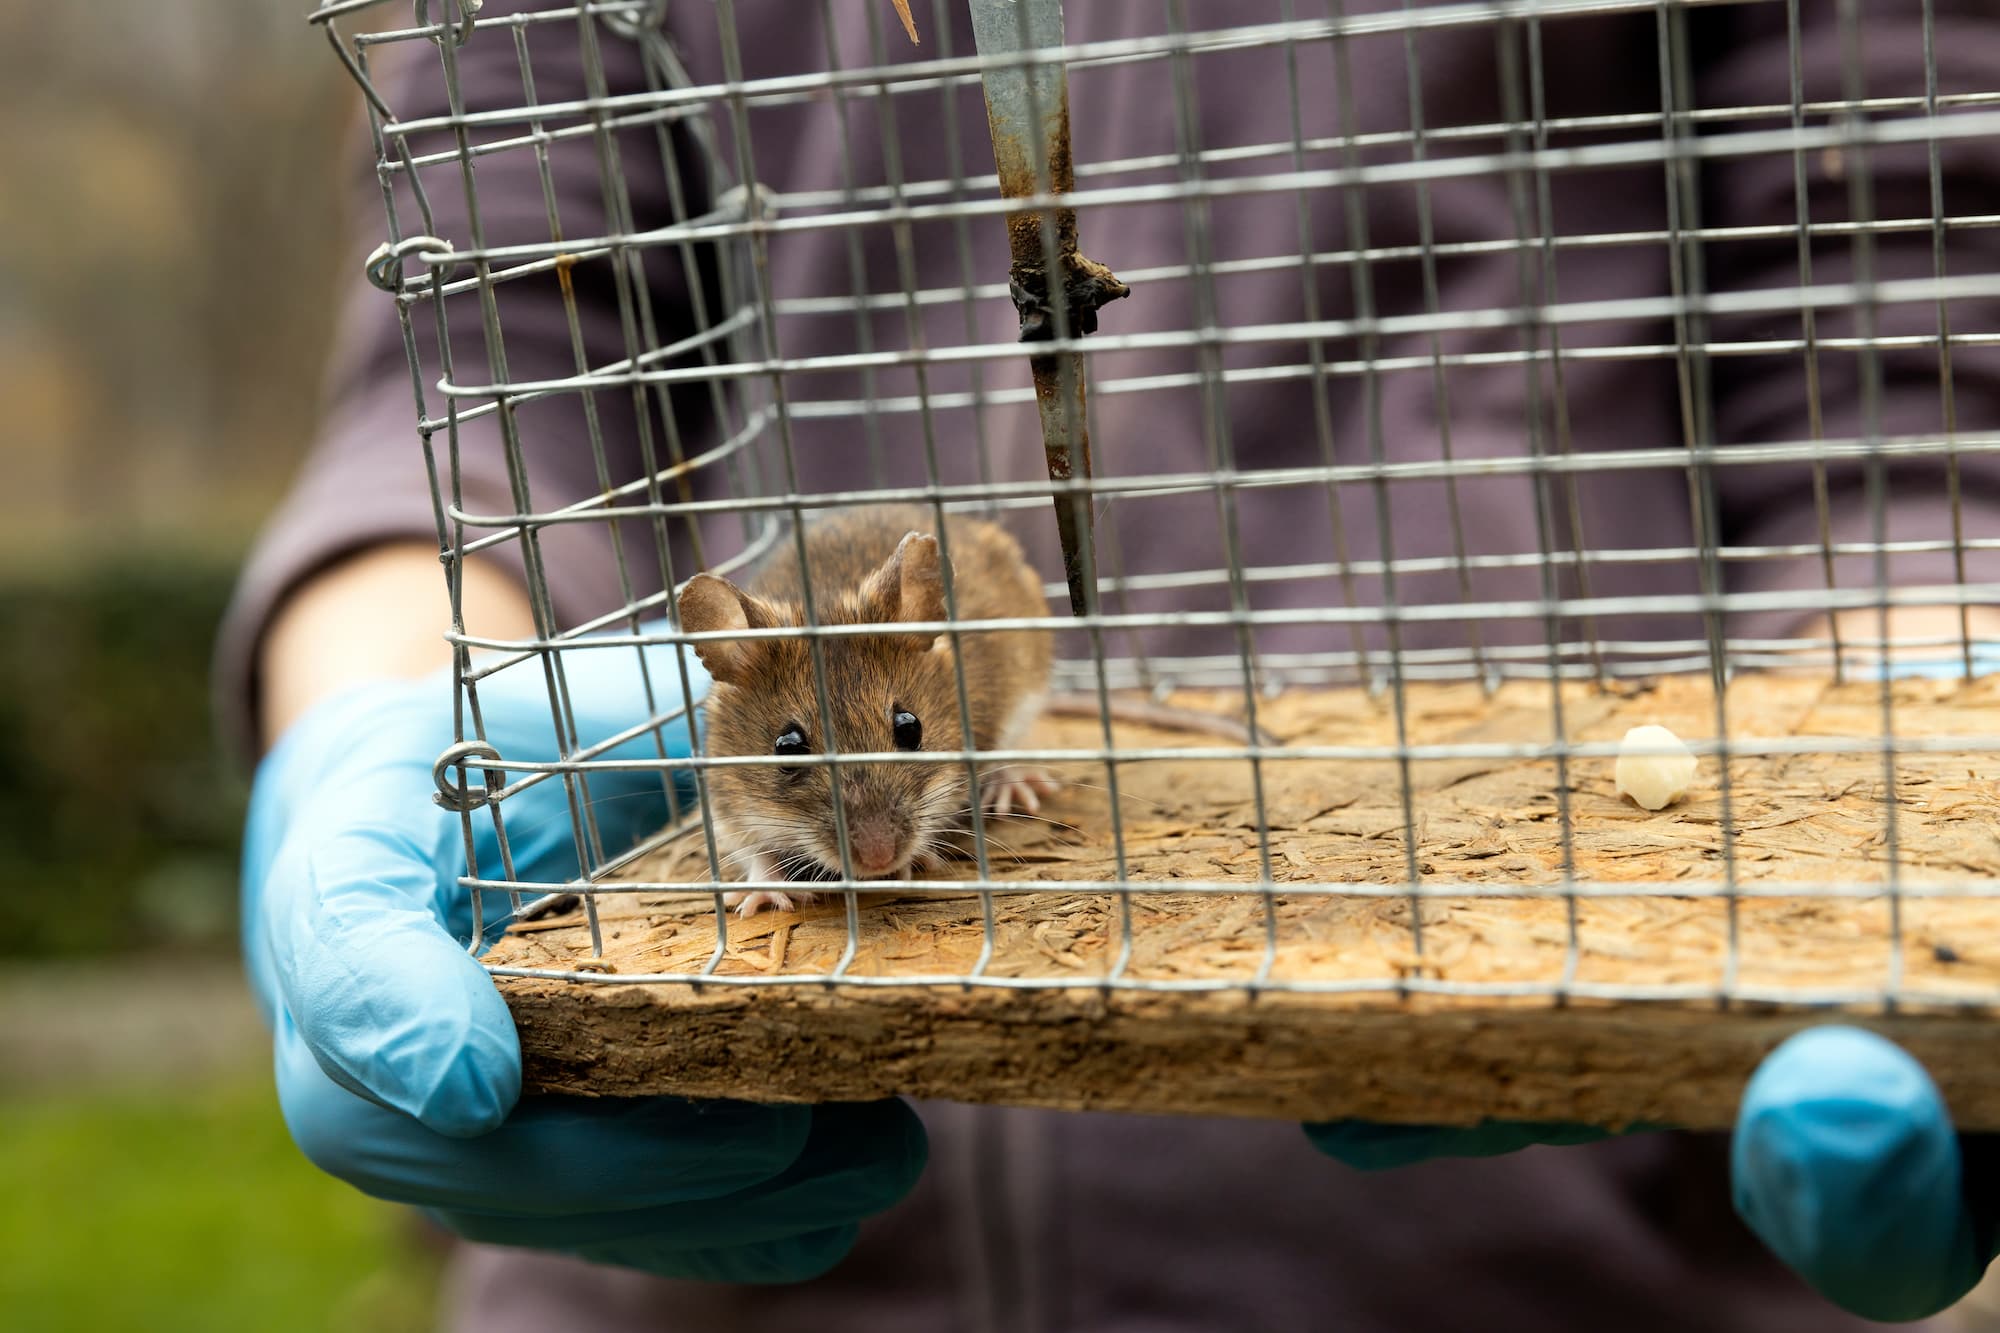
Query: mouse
(897, 690)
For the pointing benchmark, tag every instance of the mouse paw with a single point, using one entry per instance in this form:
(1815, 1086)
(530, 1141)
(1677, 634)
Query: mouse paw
(749, 904)
(1016, 789)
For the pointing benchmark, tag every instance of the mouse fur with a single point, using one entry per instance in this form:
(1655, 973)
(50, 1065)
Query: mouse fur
(876, 565)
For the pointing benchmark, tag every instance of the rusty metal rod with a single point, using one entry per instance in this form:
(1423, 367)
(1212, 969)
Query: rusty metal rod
(1027, 112)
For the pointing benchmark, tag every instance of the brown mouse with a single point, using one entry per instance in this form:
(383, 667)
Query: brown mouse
(886, 692)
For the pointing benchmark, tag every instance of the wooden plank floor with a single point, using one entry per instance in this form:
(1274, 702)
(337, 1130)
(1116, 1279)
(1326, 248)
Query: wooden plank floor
(1798, 819)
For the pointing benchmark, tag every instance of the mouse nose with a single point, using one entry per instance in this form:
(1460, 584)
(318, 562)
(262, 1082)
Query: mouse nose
(872, 846)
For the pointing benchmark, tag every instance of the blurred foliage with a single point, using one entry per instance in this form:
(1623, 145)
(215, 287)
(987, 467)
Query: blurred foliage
(119, 816)
(191, 1210)
(169, 257)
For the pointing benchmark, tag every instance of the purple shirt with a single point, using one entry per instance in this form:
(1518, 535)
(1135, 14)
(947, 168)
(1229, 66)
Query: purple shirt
(1035, 1220)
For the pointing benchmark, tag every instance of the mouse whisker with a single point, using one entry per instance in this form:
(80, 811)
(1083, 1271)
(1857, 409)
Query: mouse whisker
(1023, 814)
(1122, 795)
(796, 864)
(964, 813)
(1060, 842)
(1006, 850)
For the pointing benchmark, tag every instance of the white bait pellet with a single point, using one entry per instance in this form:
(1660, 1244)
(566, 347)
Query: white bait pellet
(1654, 767)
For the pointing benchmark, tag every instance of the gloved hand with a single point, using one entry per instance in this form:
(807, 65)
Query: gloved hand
(1844, 1162)
(398, 1067)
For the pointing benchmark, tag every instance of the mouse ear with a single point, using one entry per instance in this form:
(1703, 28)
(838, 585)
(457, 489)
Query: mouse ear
(712, 605)
(909, 585)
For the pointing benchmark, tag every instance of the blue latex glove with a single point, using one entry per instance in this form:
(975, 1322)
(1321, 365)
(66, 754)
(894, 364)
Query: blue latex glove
(1844, 1161)
(398, 1067)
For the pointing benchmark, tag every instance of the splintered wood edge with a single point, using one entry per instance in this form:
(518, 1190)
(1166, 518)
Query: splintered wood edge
(1309, 1056)
(1278, 1055)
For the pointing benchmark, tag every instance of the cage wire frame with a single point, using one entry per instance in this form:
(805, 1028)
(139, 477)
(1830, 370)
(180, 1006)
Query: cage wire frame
(745, 377)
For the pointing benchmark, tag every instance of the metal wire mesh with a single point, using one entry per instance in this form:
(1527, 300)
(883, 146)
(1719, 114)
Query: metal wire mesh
(1527, 340)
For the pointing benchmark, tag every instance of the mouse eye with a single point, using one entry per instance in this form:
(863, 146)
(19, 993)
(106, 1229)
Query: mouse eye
(909, 731)
(791, 741)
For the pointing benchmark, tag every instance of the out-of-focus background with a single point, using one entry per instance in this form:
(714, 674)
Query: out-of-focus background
(167, 240)
(168, 229)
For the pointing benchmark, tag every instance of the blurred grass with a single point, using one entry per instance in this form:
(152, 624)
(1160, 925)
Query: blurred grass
(190, 1209)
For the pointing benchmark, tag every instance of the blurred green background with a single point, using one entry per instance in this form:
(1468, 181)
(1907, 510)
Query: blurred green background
(169, 229)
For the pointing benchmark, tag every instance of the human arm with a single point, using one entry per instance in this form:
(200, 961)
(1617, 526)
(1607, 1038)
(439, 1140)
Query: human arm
(375, 617)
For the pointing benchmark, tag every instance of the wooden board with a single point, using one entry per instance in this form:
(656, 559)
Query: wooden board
(1797, 819)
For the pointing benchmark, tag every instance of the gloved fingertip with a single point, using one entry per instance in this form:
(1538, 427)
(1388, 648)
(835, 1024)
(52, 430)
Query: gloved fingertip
(394, 1011)
(913, 1151)
(474, 1091)
(800, 1258)
(460, 1096)
(769, 1263)
(1371, 1146)
(1845, 1162)
(759, 1140)
(1366, 1145)
(870, 1154)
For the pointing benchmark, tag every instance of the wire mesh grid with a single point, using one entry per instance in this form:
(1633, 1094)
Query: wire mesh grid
(1563, 341)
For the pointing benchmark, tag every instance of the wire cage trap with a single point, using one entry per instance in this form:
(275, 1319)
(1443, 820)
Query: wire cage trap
(1494, 377)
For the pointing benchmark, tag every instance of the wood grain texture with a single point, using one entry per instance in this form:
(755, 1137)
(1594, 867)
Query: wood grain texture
(1797, 819)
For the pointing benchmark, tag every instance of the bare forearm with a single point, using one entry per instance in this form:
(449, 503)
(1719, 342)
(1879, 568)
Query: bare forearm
(1914, 624)
(377, 615)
